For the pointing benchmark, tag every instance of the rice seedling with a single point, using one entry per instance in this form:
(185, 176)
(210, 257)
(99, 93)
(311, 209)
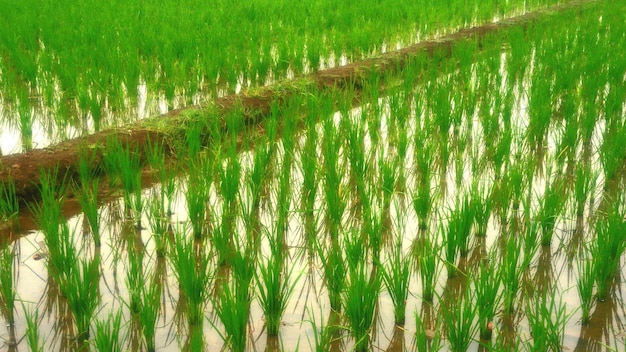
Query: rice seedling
(8, 278)
(275, 286)
(9, 203)
(33, 338)
(107, 333)
(322, 334)
(196, 197)
(88, 199)
(428, 264)
(459, 315)
(159, 224)
(584, 284)
(460, 224)
(334, 272)
(148, 311)
(547, 318)
(510, 272)
(552, 204)
(194, 272)
(81, 288)
(584, 185)
(426, 339)
(486, 284)
(232, 302)
(396, 276)
(360, 299)
(607, 249)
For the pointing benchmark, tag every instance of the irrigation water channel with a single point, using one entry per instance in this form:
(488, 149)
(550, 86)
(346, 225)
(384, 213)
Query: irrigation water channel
(309, 305)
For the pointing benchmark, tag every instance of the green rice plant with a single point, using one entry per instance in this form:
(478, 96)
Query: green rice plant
(460, 224)
(88, 199)
(81, 288)
(275, 287)
(194, 272)
(607, 248)
(486, 286)
(481, 207)
(428, 264)
(451, 244)
(547, 318)
(552, 204)
(107, 333)
(426, 339)
(510, 272)
(149, 308)
(322, 335)
(232, 302)
(396, 276)
(360, 300)
(334, 272)
(332, 186)
(8, 277)
(459, 315)
(9, 203)
(584, 285)
(33, 338)
(196, 198)
(584, 184)
(159, 224)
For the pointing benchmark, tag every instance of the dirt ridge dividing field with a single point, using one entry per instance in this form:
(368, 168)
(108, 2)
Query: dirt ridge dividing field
(24, 169)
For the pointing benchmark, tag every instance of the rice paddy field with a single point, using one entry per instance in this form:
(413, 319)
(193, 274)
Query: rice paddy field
(473, 200)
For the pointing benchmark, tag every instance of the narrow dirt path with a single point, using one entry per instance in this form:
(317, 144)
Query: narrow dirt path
(25, 168)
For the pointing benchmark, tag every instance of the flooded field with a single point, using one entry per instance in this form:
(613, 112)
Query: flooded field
(474, 201)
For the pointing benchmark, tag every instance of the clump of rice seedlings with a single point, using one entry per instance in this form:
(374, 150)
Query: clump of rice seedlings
(229, 176)
(196, 198)
(322, 334)
(9, 203)
(33, 339)
(193, 269)
(159, 224)
(107, 333)
(423, 197)
(123, 165)
(459, 316)
(607, 248)
(584, 184)
(552, 203)
(275, 285)
(510, 272)
(481, 207)
(8, 276)
(396, 276)
(233, 299)
(486, 286)
(88, 199)
(426, 339)
(148, 311)
(547, 318)
(428, 263)
(80, 286)
(451, 244)
(334, 272)
(460, 224)
(584, 285)
(360, 300)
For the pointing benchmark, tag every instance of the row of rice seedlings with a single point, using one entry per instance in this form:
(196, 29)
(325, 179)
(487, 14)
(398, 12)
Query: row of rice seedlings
(91, 79)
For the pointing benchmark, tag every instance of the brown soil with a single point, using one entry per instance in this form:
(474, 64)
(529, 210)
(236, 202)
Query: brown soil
(25, 168)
